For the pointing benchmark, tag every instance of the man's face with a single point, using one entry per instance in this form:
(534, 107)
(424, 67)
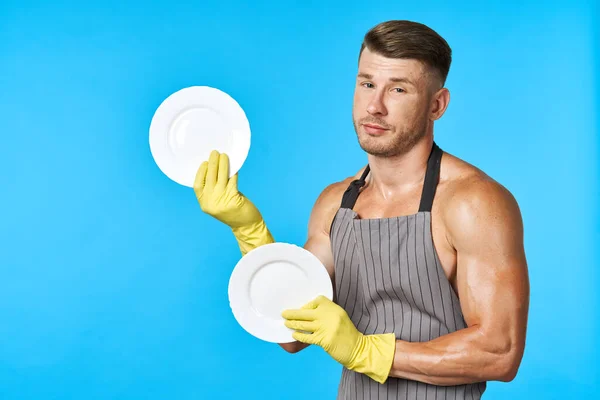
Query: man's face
(393, 94)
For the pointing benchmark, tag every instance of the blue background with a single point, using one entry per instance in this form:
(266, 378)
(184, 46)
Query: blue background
(113, 283)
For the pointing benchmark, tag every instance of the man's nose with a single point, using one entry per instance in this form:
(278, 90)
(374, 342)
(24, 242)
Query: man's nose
(376, 105)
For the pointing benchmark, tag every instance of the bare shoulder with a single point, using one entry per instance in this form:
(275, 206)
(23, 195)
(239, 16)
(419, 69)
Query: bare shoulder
(329, 202)
(471, 200)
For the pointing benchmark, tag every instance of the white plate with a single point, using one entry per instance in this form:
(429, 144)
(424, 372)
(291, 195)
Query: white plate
(273, 278)
(192, 122)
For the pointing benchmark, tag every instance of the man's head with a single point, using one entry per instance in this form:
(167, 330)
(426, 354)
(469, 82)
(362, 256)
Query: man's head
(402, 70)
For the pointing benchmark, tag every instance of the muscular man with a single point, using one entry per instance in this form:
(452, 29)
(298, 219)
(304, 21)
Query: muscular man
(425, 250)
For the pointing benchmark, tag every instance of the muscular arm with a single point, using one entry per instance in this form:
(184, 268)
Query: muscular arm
(484, 226)
(318, 241)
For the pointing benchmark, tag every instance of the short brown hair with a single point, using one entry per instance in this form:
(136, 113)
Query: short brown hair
(413, 40)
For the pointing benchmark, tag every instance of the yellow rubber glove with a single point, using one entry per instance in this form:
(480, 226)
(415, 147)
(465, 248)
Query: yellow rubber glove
(331, 328)
(219, 197)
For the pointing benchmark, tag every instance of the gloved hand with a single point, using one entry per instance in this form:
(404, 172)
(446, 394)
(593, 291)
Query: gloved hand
(219, 197)
(332, 329)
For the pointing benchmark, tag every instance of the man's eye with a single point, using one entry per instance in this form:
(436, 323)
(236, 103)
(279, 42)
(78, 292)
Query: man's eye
(368, 85)
(399, 90)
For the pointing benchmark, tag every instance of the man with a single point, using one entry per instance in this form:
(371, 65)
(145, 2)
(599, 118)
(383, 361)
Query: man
(425, 251)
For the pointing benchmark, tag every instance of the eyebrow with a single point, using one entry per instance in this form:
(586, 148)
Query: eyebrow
(393, 79)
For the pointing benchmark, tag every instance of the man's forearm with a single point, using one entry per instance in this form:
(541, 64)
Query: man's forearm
(462, 357)
(293, 347)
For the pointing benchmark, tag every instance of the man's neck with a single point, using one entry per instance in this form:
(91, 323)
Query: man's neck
(390, 175)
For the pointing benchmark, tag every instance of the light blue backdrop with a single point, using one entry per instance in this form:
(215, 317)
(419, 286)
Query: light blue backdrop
(113, 283)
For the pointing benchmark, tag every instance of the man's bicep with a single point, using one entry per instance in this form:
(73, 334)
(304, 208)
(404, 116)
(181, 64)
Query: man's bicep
(318, 241)
(320, 245)
(492, 276)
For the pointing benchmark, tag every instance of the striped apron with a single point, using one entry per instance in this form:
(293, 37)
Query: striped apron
(388, 278)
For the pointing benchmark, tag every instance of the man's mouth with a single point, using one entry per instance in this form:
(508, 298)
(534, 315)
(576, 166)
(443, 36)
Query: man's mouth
(374, 128)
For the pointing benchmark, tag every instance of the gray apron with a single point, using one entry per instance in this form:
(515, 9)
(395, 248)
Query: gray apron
(388, 278)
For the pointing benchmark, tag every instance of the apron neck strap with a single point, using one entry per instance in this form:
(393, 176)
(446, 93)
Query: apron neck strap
(429, 186)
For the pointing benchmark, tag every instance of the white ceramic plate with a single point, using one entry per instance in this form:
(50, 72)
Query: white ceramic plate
(192, 122)
(273, 278)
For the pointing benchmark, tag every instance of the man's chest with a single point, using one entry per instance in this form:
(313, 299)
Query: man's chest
(368, 208)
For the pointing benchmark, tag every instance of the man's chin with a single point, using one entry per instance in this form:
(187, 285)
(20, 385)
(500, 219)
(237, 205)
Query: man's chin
(374, 149)
(380, 148)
